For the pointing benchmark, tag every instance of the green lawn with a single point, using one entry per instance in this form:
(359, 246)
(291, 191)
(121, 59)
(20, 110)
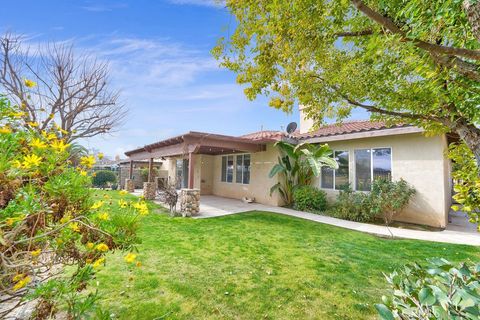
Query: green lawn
(257, 265)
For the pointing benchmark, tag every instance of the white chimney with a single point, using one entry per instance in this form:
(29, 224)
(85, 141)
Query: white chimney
(306, 124)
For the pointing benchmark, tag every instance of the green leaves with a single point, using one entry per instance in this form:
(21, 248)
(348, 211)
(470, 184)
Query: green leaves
(384, 312)
(297, 164)
(437, 291)
(332, 58)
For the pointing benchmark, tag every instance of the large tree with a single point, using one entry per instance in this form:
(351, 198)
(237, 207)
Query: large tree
(409, 61)
(53, 84)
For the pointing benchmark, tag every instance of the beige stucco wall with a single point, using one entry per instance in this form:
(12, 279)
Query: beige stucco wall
(260, 183)
(422, 163)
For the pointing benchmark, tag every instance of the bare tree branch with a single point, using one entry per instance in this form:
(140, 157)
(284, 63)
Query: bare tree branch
(72, 92)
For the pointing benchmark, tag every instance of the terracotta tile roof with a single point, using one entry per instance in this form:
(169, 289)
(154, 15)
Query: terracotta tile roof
(346, 127)
(264, 135)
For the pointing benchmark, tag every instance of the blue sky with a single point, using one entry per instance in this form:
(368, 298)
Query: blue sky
(159, 55)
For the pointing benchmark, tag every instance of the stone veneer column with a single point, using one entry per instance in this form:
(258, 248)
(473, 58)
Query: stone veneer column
(189, 202)
(129, 185)
(149, 190)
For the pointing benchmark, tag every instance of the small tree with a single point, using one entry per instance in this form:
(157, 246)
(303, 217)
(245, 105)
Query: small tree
(297, 164)
(103, 178)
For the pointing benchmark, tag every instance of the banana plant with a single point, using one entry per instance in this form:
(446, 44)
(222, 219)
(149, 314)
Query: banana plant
(297, 165)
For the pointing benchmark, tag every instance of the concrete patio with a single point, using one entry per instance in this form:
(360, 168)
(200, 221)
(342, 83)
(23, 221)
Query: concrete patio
(457, 232)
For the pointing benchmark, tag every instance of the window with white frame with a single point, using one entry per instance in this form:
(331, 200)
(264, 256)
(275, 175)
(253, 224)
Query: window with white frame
(243, 169)
(227, 169)
(339, 178)
(371, 164)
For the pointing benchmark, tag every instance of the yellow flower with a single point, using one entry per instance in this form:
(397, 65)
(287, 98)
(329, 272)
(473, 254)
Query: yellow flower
(130, 257)
(37, 143)
(22, 283)
(97, 205)
(87, 161)
(74, 226)
(5, 130)
(59, 145)
(103, 216)
(98, 262)
(18, 114)
(10, 221)
(138, 264)
(90, 245)
(32, 124)
(29, 83)
(122, 203)
(141, 207)
(106, 196)
(18, 277)
(123, 192)
(102, 247)
(100, 156)
(83, 173)
(31, 160)
(49, 136)
(36, 253)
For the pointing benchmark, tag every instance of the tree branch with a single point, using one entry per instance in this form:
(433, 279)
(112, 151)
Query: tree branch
(388, 24)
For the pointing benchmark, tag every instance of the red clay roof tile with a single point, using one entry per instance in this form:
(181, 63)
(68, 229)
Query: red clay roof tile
(346, 127)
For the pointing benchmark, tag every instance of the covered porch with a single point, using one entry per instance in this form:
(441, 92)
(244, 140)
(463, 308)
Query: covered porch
(190, 159)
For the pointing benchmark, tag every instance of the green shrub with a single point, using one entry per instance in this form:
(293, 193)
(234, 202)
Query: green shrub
(354, 206)
(386, 199)
(439, 291)
(103, 177)
(309, 198)
(49, 218)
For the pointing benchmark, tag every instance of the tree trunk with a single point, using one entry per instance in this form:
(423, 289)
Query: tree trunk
(470, 134)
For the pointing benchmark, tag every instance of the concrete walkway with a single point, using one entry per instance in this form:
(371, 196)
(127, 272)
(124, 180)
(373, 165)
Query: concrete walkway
(458, 233)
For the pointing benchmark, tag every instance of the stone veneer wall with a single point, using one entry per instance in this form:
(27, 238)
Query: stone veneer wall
(129, 185)
(149, 190)
(189, 202)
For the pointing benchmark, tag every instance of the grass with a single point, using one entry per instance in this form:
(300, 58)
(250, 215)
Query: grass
(257, 265)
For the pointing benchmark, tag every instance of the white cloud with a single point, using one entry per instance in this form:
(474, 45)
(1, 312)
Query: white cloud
(102, 7)
(205, 3)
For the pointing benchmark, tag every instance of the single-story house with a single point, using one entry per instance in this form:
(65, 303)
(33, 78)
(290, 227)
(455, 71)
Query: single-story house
(238, 166)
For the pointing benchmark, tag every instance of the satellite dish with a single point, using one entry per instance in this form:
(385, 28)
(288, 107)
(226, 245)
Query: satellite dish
(292, 126)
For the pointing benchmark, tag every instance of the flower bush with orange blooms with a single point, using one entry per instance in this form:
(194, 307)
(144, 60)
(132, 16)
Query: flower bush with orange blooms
(49, 220)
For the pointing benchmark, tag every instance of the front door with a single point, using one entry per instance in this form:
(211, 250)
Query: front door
(182, 173)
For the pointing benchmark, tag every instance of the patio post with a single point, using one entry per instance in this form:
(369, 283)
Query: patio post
(150, 170)
(191, 167)
(129, 183)
(130, 174)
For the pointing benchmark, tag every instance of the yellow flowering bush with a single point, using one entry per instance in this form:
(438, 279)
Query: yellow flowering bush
(49, 219)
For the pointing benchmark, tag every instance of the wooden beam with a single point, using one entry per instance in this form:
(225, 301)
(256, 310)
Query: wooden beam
(150, 170)
(191, 170)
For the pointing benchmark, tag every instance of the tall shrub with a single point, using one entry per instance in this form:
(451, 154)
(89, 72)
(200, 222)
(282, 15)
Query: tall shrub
(49, 219)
